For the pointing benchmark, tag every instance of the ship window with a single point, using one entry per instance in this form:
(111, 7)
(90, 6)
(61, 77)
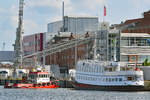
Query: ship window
(120, 79)
(106, 79)
(99, 79)
(113, 79)
(78, 77)
(109, 79)
(129, 78)
(43, 84)
(116, 79)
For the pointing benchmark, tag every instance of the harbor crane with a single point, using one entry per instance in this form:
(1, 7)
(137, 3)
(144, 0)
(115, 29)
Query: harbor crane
(18, 41)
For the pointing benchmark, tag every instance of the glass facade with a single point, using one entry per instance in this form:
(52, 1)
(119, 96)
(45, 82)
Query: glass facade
(54, 27)
(135, 41)
(135, 49)
(80, 24)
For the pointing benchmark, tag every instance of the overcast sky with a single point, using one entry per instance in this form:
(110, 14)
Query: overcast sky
(37, 13)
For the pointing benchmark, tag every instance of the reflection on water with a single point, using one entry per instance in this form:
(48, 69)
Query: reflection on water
(69, 94)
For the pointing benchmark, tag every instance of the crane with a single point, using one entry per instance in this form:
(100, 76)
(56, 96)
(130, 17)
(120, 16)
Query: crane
(18, 41)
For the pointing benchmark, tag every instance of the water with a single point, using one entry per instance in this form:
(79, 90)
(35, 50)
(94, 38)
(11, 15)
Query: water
(69, 94)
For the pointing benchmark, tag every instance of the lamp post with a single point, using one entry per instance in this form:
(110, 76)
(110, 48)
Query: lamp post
(76, 41)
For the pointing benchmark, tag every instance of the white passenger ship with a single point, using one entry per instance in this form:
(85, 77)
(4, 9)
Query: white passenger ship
(93, 74)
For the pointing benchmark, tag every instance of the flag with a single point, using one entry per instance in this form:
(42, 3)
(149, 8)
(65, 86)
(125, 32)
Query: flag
(104, 10)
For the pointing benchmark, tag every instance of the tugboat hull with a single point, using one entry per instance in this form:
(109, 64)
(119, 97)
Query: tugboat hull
(30, 86)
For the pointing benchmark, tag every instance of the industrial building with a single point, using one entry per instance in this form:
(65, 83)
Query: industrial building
(108, 43)
(33, 43)
(74, 24)
(54, 27)
(119, 46)
(7, 56)
(64, 58)
(135, 43)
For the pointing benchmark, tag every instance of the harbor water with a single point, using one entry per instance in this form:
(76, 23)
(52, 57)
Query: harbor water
(69, 94)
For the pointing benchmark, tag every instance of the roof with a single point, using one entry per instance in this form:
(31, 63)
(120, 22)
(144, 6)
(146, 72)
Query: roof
(7, 56)
(81, 16)
(140, 22)
(132, 21)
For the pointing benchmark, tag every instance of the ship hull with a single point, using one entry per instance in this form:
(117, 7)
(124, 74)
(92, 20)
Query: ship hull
(29, 86)
(32, 86)
(81, 86)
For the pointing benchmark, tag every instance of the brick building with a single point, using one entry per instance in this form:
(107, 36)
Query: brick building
(66, 58)
(33, 43)
(140, 25)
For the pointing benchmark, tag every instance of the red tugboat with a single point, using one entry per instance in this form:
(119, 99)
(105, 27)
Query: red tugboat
(36, 79)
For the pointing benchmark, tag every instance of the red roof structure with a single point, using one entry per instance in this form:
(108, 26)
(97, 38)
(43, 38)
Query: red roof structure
(140, 25)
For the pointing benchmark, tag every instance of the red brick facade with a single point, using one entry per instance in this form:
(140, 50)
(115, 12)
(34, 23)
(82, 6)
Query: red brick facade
(33, 43)
(66, 58)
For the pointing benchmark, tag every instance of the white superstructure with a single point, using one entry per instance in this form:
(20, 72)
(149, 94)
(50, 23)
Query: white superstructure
(96, 73)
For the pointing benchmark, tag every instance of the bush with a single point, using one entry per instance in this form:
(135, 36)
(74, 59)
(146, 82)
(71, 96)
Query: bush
(146, 63)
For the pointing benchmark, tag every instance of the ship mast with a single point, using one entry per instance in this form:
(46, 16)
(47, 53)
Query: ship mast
(18, 41)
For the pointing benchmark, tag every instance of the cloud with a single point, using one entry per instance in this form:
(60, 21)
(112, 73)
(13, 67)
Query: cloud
(138, 3)
(53, 19)
(49, 3)
(1, 10)
(90, 4)
(94, 4)
(57, 4)
(13, 11)
(30, 26)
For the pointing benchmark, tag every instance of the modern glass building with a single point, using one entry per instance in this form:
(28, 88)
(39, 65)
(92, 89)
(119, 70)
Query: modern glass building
(54, 27)
(80, 24)
(135, 47)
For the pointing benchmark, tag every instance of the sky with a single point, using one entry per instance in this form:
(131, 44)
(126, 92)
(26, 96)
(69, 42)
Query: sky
(38, 13)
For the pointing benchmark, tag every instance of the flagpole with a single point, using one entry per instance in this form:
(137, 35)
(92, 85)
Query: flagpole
(104, 13)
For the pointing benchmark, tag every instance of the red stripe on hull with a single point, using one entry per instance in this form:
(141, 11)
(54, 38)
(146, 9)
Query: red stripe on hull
(81, 86)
